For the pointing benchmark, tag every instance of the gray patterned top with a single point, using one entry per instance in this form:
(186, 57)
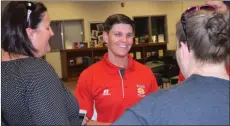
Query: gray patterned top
(33, 94)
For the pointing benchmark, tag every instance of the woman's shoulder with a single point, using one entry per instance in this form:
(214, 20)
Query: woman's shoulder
(25, 64)
(39, 65)
(30, 71)
(33, 66)
(35, 63)
(39, 71)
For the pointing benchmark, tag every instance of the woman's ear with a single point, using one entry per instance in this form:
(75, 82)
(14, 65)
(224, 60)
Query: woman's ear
(30, 33)
(185, 50)
(105, 36)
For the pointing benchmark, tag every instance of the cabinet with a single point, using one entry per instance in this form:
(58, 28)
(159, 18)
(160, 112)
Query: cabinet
(153, 28)
(69, 57)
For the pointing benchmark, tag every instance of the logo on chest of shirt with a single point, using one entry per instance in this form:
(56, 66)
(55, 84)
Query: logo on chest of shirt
(140, 90)
(106, 92)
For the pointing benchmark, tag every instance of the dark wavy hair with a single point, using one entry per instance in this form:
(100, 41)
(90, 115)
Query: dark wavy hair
(14, 23)
(207, 35)
(117, 19)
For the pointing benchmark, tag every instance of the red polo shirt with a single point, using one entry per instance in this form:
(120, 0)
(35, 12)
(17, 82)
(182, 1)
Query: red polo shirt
(180, 77)
(102, 90)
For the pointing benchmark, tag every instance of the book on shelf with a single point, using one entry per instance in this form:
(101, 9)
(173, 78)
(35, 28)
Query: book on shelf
(154, 39)
(160, 53)
(136, 40)
(161, 38)
(71, 62)
(131, 54)
(148, 54)
(138, 55)
(79, 60)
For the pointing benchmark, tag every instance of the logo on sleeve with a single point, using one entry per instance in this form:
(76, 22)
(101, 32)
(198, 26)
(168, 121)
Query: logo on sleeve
(141, 90)
(106, 92)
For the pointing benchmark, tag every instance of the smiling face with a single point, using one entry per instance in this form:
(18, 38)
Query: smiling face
(41, 35)
(119, 39)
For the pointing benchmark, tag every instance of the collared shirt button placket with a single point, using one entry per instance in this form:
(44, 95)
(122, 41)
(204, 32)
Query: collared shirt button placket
(122, 85)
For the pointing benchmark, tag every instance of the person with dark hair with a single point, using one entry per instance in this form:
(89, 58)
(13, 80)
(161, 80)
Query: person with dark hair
(120, 83)
(221, 7)
(203, 98)
(31, 91)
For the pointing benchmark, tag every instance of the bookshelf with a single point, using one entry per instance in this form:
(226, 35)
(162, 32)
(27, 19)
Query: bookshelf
(71, 69)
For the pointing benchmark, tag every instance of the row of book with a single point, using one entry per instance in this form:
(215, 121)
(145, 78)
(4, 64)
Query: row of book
(137, 55)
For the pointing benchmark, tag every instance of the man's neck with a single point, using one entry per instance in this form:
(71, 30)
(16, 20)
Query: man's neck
(121, 62)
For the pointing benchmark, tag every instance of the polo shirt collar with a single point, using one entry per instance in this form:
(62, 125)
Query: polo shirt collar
(112, 69)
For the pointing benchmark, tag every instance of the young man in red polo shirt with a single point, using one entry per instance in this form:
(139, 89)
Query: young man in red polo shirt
(107, 88)
(223, 7)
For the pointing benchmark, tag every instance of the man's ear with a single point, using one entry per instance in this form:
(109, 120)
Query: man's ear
(105, 36)
(30, 33)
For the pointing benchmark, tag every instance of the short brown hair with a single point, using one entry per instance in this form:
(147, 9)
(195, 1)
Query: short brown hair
(117, 19)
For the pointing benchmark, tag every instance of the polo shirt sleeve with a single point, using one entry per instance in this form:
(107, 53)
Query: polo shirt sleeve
(83, 93)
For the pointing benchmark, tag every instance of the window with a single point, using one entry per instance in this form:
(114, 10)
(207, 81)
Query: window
(66, 33)
(150, 28)
(141, 26)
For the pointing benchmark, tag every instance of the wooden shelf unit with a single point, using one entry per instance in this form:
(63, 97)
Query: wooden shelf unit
(72, 71)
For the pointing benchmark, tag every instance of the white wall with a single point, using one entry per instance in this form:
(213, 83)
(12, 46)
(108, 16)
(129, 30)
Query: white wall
(55, 60)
